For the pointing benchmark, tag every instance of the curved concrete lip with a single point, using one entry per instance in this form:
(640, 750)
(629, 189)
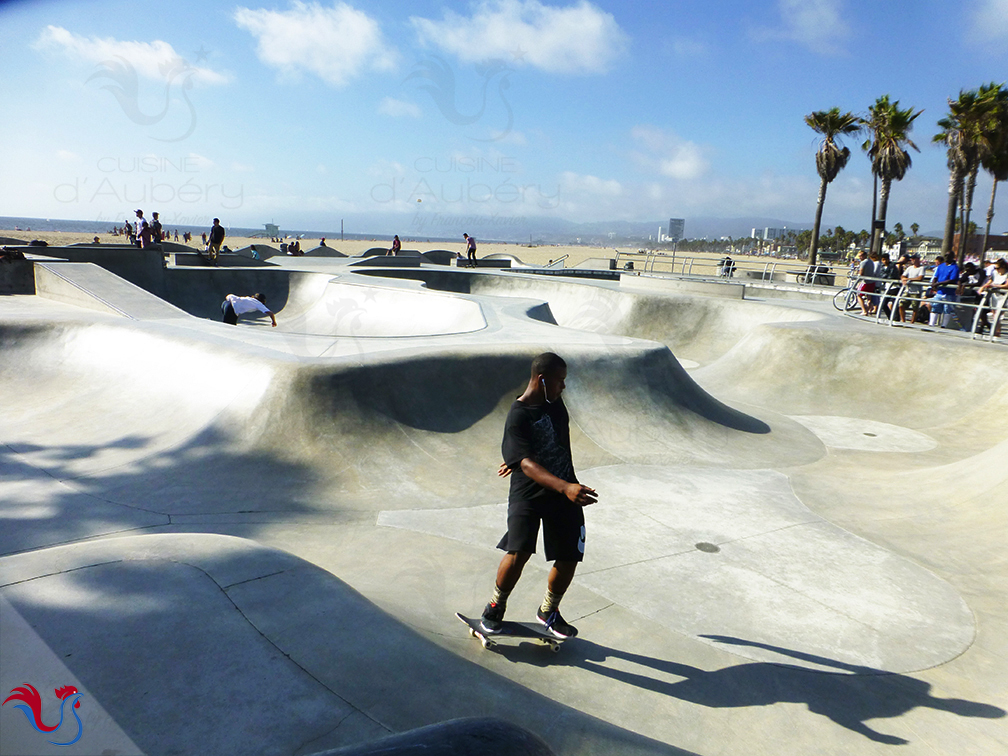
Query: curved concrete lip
(865, 435)
(732, 554)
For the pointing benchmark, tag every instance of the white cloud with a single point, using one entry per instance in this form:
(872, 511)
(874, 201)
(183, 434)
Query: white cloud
(669, 154)
(991, 20)
(398, 108)
(816, 24)
(582, 184)
(155, 60)
(336, 44)
(576, 39)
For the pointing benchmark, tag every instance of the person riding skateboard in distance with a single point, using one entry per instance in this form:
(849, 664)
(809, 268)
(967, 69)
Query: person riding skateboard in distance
(544, 488)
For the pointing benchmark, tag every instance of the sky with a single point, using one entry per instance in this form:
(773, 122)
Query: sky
(423, 118)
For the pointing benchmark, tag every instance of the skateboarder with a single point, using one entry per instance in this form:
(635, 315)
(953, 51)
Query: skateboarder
(233, 306)
(537, 456)
(216, 239)
(470, 250)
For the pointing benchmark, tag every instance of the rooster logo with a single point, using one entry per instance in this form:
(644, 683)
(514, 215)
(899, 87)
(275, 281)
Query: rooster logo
(33, 709)
(126, 90)
(439, 83)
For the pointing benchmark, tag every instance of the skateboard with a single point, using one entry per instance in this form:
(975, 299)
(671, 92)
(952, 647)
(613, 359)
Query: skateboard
(515, 630)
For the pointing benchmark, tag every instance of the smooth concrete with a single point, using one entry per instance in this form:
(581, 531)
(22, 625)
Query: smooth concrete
(247, 538)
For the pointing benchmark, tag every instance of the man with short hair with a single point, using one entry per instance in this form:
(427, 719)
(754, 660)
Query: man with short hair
(944, 282)
(143, 232)
(215, 241)
(913, 274)
(543, 489)
(156, 232)
(233, 306)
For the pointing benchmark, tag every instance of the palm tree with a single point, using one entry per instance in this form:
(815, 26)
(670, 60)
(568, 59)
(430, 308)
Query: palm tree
(890, 128)
(966, 133)
(995, 159)
(914, 228)
(830, 157)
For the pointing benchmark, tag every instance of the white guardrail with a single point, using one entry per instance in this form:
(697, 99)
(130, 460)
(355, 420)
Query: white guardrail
(892, 298)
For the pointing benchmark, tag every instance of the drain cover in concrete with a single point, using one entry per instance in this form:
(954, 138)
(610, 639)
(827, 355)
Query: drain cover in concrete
(865, 435)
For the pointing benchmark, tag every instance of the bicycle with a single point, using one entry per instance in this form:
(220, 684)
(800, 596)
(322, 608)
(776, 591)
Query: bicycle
(846, 299)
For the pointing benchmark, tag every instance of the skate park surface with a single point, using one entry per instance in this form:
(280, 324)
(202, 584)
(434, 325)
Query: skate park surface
(253, 540)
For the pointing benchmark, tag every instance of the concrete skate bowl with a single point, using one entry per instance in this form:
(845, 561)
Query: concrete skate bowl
(381, 469)
(695, 328)
(323, 305)
(364, 310)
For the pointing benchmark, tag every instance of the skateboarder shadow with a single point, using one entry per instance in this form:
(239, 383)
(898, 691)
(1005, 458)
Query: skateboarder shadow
(849, 697)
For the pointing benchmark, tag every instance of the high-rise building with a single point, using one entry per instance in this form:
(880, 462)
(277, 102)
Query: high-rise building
(675, 229)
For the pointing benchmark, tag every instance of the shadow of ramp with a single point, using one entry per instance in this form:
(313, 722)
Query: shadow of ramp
(444, 394)
(255, 650)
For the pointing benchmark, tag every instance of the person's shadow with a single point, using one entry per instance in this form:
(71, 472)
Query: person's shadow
(848, 697)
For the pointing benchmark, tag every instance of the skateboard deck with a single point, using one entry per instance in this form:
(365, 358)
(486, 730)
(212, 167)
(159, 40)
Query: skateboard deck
(513, 630)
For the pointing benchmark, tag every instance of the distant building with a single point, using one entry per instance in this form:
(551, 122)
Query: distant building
(996, 245)
(676, 226)
(769, 234)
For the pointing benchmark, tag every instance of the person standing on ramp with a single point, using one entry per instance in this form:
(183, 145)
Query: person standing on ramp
(544, 488)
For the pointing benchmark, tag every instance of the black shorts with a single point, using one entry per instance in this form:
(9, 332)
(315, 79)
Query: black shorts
(563, 528)
(230, 316)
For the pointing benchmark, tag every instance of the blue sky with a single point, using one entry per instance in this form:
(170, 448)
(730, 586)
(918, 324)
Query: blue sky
(496, 111)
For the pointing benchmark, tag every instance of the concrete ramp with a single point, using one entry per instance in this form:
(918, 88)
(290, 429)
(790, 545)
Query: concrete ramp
(88, 285)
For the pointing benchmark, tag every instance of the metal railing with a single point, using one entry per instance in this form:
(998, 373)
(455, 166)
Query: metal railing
(660, 263)
(894, 296)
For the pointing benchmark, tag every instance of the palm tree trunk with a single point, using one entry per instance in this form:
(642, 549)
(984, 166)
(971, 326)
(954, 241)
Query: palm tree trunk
(967, 209)
(814, 246)
(883, 207)
(950, 214)
(990, 218)
(874, 205)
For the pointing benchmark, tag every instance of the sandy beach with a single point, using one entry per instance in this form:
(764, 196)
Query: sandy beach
(535, 255)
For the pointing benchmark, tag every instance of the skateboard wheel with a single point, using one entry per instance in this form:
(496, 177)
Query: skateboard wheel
(472, 633)
(555, 648)
(486, 643)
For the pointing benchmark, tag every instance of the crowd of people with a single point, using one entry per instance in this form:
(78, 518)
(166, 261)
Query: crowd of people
(946, 297)
(143, 233)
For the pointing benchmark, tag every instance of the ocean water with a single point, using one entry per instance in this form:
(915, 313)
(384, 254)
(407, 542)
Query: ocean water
(12, 223)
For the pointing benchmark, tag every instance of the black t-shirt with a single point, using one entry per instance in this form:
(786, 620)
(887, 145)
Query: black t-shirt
(542, 434)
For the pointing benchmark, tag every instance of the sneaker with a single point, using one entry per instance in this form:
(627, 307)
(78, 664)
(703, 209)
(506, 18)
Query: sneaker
(492, 617)
(556, 624)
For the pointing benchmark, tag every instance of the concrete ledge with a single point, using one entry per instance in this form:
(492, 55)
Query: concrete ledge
(16, 277)
(483, 262)
(593, 273)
